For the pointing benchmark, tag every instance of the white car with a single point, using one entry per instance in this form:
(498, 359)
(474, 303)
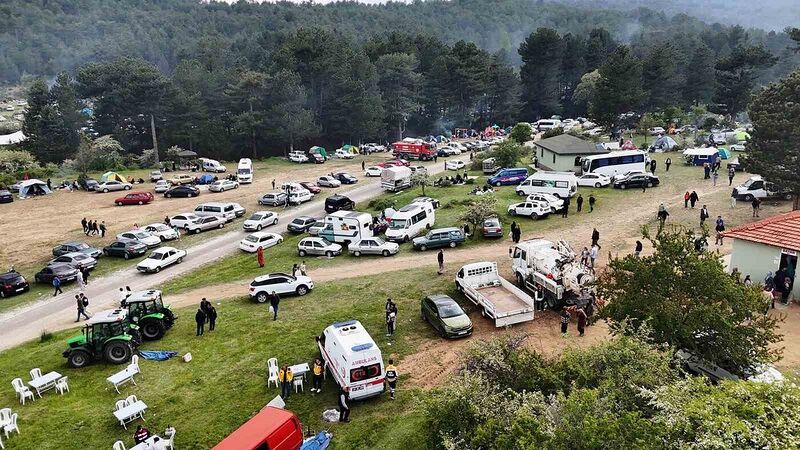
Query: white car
(259, 220)
(261, 239)
(109, 186)
(554, 202)
(343, 154)
(183, 219)
(262, 287)
(373, 246)
(533, 209)
(298, 158)
(593, 180)
(314, 230)
(164, 232)
(162, 186)
(140, 236)
(161, 258)
(298, 197)
(223, 185)
(205, 223)
(455, 164)
(77, 260)
(318, 246)
(156, 175)
(738, 147)
(373, 171)
(655, 131)
(328, 181)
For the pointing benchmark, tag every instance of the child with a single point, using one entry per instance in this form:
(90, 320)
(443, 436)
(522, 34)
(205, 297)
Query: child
(564, 321)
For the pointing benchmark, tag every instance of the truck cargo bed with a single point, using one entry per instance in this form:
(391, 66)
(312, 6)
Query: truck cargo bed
(504, 300)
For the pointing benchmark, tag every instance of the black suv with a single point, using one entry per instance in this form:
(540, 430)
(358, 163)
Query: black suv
(12, 283)
(338, 203)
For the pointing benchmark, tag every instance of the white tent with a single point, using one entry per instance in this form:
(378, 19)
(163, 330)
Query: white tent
(32, 188)
(13, 138)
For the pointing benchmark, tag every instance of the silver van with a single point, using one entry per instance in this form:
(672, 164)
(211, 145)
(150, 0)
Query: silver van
(227, 210)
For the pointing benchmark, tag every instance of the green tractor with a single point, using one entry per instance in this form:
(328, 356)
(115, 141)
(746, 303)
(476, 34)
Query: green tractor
(147, 310)
(107, 336)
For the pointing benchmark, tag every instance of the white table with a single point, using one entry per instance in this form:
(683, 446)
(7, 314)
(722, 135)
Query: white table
(130, 413)
(44, 382)
(299, 369)
(147, 444)
(122, 377)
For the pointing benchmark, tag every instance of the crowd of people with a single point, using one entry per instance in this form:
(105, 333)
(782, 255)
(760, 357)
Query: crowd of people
(91, 228)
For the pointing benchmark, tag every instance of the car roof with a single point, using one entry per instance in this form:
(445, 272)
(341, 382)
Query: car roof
(74, 243)
(60, 266)
(164, 249)
(10, 274)
(448, 229)
(441, 299)
(263, 233)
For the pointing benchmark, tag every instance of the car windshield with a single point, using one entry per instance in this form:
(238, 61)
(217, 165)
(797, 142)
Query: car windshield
(298, 222)
(257, 217)
(397, 224)
(378, 241)
(251, 238)
(492, 223)
(81, 246)
(448, 310)
(141, 234)
(325, 242)
(158, 256)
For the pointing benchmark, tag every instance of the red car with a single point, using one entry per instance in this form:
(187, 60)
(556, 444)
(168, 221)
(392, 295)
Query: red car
(312, 187)
(399, 162)
(135, 198)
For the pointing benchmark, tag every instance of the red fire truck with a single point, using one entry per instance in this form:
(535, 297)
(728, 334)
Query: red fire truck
(422, 151)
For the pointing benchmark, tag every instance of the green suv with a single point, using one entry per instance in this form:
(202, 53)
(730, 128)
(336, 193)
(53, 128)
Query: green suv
(107, 336)
(147, 310)
(446, 316)
(439, 237)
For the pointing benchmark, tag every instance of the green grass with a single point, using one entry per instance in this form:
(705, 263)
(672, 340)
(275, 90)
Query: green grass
(224, 384)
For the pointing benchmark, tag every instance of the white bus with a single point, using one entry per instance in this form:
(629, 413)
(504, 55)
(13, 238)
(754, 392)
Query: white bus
(616, 163)
(245, 171)
(410, 221)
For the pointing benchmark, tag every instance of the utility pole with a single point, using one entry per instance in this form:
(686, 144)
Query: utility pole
(155, 139)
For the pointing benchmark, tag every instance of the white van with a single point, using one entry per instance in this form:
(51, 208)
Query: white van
(228, 211)
(212, 165)
(560, 184)
(346, 226)
(353, 358)
(297, 193)
(410, 221)
(547, 124)
(245, 171)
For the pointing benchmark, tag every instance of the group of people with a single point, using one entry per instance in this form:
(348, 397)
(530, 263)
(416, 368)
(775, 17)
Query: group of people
(458, 179)
(90, 227)
(82, 303)
(206, 313)
(142, 434)
(477, 190)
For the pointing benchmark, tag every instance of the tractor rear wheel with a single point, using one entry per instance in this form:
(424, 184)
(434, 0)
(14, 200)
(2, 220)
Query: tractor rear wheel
(118, 352)
(152, 330)
(79, 358)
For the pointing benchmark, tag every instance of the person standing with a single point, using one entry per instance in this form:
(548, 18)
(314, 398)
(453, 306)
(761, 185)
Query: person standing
(638, 249)
(585, 257)
(212, 318)
(686, 199)
(591, 202)
(756, 206)
(693, 198)
(103, 229)
(581, 321)
(719, 228)
(200, 320)
(81, 308)
(703, 215)
(579, 202)
(440, 260)
(167, 221)
(79, 279)
(565, 208)
(57, 286)
(593, 255)
(274, 301)
(667, 163)
(564, 321)
(303, 268)
(123, 297)
(363, 166)
(595, 237)
(714, 177)
(733, 198)
(260, 257)
(653, 166)
(85, 273)
(391, 378)
(538, 298)
(273, 184)
(731, 173)
(344, 409)
(706, 171)
(317, 370)
(85, 226)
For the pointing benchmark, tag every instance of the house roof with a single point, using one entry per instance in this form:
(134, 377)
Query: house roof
(778, 231)
(567, 144)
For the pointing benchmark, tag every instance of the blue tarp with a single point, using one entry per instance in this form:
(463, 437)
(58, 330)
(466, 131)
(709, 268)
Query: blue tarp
(318, 442)
(157, 355)
(205, 179)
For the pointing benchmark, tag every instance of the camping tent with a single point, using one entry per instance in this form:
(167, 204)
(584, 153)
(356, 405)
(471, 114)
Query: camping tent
(742, 135)
(350, 148)
(664, 143)
(318, 151)
(32, 188)
(628, 145)
(724, 153)
(112, 176)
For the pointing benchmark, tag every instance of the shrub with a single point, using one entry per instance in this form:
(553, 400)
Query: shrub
(552, 132)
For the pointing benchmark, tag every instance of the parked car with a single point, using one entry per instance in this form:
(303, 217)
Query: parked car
(261, 239)
(314, 230)
(373, 246)
(343, 154)
(373, 171)
(89, 184)
(13, 283)
(398, 162)
(65, 273)
(273, 199)
(637, 181)
(134, 198)
(625, 175)
(298, 157)
(113, 185)
(75, 259)
(446, 316)
(182, 220)
(301, 224)
(182, 191)
(182, 179)
(298, 197)
(125, 249)
(338, 202)
(259, 220)
(530, 208)
(164, 232)
(454, 164)
(262, 287)
(555, 203)
(6, 196)
(142, 236)
(223, 185)
(160, 259)
(156, 175)
(492, 227)
(696, 365)
(161, 186)
(75, 246)
(328, 181)
(311, 187)
(318, 246)
(593, 180)
(205, 223)
(439, 237)
(655, 131)
(738, 147)
(346, 178)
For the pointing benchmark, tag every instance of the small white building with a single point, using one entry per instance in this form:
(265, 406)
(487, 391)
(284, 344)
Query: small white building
(563, 153)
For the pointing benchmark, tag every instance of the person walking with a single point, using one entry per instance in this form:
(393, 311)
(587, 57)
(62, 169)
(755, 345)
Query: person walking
(316, 371)
(103, 229)
(595, 237)
(719, 228)
(391, 378)
(591, 202)
(344, 409)
(85, 225)
(81, 308)
(85, 273)
(200, 320)
(564, 321)
(667, 163)
(212, 318)
(273, 184)
(585, 257)
(565, 208)
(706, 171)
(638, 249)
(593, 255)
(693, 198)
(579, 202)
(391, 317)
(733, 198)
(731, 173)
(440, 260)
(756, 203)
(79, 279)
(57, 286)
(538, 298)
(703, 215)
(363, 166)
(95, 229)
(581, 321)
(715, 177)
(653, 166)
(260, 257)
(274, 301)
(303, 268)
(686, 197)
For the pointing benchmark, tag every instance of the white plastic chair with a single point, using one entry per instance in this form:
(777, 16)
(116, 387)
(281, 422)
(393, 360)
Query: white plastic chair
(62, 385)
(22, 391)
(298, 383)
(135, 363)
(170, 438)
(1, 443)
(119, 445)
(121, 404)
(131, 400)
(5, 416)
(272, 365)
(35, 373)
(9, 427)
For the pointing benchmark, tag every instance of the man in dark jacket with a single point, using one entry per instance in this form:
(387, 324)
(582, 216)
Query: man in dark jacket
(591, 202)
(200, 320)
(274, 301)
(595, 237)
(212, 318)
(440, 260)
(703, 214)
(579, 202)
(344, 409)
(693, 198)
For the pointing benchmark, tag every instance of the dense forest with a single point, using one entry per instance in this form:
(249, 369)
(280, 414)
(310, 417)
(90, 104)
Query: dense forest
(259, 79)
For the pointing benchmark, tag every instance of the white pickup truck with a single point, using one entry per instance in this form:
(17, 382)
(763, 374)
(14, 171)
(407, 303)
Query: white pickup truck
(498, 298)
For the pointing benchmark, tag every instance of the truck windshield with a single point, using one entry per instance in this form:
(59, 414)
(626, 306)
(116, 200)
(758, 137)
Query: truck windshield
(397, 224)
(244, 171)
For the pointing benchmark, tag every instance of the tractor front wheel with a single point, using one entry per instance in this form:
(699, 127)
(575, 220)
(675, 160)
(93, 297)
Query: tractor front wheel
(79, 358)
(118, 352)
(152, 330)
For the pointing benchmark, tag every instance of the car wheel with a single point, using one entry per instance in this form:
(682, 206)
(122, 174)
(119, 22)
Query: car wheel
(534, 216)
(168, 195)
(513, 212)
(649, 184)
(452, 245)
(105, 252)
(258, 228)
(787, 196)
(152, 330)
(126, 255)
(301, 252)
(422, 248)
(119, 203)
(275, 222)
(191, 195)
(356, 253)
(158, 269)
(597, 185)
(236, 186)
(261, 297)
(329, 254)
(497, 184)
(622, 186)
(302, 290)
(222, 225)
(127, 188)
(386, 253)
(748, 197)
(105, 190)
(280, 240)
(141, 203)
(180, 260)
(118, 352)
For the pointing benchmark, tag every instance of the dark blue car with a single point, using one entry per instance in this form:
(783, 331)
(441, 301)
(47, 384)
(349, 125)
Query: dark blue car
(509, 176)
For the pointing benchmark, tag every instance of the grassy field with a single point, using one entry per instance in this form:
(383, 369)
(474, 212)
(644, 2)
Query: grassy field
(225, 383)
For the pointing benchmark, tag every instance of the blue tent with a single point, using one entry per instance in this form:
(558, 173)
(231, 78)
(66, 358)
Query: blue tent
(205, 179)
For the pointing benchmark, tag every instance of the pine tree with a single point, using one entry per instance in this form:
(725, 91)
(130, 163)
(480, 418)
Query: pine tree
(619, 89)
(659, 77)
(699, 86)
(542, 54)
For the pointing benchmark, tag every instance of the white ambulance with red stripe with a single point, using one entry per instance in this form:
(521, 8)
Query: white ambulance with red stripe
(353, 359)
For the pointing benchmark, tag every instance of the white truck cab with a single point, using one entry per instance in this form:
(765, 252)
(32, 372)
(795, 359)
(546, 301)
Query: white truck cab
(353, 358)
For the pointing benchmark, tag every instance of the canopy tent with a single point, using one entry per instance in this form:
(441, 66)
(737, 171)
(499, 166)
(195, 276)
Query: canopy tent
(32, 188)
(724, 153)
(742, 135)
(664, 143)
(112, 176)
(13, 138)
(628, 145)
(350, 148)
(318, 150)
(187, 154)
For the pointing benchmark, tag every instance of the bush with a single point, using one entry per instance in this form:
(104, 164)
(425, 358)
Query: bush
(10, 126)
(379, 204)
(521, 133)
(553, 132)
